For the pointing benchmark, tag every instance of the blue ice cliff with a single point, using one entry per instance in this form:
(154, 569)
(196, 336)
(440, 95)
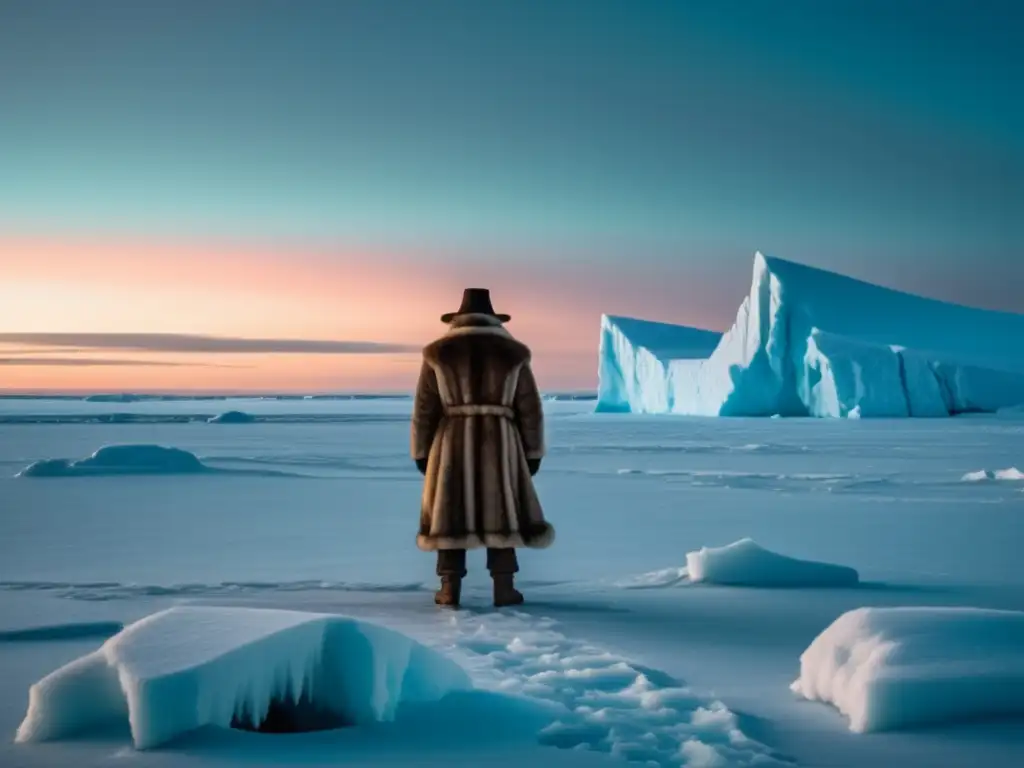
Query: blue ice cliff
(807, 342)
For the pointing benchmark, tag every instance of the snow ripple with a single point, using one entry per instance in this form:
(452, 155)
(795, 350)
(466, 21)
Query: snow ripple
(104, 591)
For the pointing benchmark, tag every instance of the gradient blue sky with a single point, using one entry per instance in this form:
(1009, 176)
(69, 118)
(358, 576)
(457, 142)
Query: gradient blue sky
(663, 142)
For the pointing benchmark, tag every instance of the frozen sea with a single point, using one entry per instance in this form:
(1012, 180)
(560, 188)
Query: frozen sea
(313, 506)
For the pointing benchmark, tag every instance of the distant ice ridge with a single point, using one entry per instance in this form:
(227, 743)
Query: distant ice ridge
(188, 667)
(746, 564)
(892, 668)
(807, 342)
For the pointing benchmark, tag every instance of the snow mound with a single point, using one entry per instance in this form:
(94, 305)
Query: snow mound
(232, 417)
(802, 345)
(189, 667)
(892, 668)
(600, 701)
(120, 460)
(1012, 473)
(744, 563)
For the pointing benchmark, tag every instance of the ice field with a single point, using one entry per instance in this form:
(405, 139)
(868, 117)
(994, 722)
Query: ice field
(810, 592)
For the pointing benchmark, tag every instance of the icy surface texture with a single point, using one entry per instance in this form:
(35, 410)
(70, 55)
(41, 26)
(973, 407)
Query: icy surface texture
(189, 667)
(121, 460)
(892, 668)
(744, 563)
(807, 342)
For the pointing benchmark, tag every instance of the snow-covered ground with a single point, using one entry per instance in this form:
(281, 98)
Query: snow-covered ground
(627, 648)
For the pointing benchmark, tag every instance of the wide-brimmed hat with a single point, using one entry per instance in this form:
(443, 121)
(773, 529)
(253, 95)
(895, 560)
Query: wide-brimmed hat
(475, 301)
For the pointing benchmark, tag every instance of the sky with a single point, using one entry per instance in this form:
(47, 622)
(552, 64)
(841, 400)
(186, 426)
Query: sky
(312, 184)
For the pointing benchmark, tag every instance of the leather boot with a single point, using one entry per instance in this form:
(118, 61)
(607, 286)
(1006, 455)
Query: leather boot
(505, 592)
(450, 592)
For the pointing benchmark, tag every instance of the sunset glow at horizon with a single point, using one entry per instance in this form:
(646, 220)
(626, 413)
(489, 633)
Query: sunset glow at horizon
(125, 285)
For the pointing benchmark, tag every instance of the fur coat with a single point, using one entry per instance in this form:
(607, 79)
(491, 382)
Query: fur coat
(477, 418)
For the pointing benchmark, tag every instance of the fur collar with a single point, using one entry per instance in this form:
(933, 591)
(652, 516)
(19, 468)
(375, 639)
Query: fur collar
(473, 320)
(473, 323)
(476, 325)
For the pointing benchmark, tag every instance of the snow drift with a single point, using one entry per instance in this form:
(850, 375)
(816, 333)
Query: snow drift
(744, 563)
(121, 460)
(891, 668)
(807, 342)
(189, 667)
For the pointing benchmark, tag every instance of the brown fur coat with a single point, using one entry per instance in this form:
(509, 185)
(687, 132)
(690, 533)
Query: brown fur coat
(477, 418)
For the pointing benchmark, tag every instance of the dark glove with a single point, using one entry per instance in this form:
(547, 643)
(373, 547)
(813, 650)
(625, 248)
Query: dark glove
(421, 465)
(534, 465)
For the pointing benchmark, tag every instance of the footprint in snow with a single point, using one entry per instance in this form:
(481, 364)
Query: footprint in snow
(602, 701)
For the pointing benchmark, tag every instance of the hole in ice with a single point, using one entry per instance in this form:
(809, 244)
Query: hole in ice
(254, 669)
(286, 714)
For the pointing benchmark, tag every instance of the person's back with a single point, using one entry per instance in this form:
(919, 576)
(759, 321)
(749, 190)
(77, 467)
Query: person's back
(478, 438)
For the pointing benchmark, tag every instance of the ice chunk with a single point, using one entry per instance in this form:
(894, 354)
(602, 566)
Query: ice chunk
(744, 563)
(232, 417)
(807, 342)
(892, 668)
(188, 667)
(120, 460)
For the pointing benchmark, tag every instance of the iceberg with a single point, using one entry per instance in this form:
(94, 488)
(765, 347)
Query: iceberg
(193, 666)
(894, 668)
(807, 342)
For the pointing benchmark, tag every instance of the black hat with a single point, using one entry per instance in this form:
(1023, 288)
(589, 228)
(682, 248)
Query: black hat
(475, 301)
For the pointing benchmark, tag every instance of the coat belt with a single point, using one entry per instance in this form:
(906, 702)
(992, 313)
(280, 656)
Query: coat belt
(502, 411)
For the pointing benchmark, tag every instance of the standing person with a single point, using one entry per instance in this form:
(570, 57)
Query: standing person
(478, 439)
